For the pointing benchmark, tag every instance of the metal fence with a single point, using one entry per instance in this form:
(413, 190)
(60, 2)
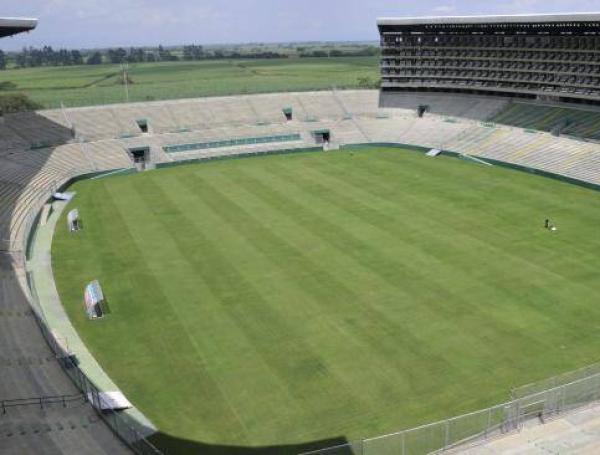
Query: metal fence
(485, 424)
(556, 381)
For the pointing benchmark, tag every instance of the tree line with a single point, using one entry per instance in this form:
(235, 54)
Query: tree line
(32, 57)
(361, 52)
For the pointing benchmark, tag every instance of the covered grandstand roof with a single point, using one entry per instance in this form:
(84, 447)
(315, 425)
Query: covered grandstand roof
(12, 25)
(510, 19)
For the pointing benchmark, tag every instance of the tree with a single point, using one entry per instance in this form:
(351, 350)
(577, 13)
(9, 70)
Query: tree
(62, 57)
(367, 82)
(117, 55)
(21, 59)
(193, 52)
(95, 59)
(188, 53)
(165, 56)
(162, 53)
(2, 60)
(135, 55)
(17, 102)
(76, 57)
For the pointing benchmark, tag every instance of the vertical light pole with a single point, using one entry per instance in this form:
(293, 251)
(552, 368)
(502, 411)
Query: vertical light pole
(125, 68)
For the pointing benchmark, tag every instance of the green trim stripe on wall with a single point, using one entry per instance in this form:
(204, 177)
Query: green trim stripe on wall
(232, 142)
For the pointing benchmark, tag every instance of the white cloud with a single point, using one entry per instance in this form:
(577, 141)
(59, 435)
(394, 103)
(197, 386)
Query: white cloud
(444, 9)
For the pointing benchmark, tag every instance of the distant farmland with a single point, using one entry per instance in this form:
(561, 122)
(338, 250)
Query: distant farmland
(103, 84)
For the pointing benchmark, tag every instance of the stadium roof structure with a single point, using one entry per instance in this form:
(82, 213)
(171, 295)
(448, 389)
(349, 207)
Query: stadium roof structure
(508, 19)
(12, 25)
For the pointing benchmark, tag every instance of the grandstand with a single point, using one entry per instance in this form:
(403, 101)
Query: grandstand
(550, 57)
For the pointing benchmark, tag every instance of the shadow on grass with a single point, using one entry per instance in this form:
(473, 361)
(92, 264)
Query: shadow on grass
(172, 445)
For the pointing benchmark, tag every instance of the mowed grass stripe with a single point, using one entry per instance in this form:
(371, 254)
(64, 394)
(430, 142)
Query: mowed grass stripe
(267, 274)
(529, 334)
(543, 294)
(200, 257)
(485, 240)
(262, 191)
(338, 294)
(425, 202)
(380, 331)
(461, 338)
(164, 360)
(370, 258)
(255, 233)
(272, 334)
(337, 201)
(550, 245)
(501, 199)
(361, 306)
(155, 244)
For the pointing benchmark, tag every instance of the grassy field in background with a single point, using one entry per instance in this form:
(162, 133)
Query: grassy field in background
(93, 85)
(285, 299)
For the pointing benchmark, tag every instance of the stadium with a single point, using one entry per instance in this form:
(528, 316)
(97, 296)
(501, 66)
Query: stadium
(408, 270)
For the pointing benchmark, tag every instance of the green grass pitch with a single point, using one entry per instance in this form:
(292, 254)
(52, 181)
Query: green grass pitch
(278, 300)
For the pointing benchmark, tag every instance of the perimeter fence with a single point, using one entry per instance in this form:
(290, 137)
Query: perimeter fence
(543, 400)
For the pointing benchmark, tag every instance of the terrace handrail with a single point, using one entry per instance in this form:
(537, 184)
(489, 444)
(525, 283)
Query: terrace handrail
(41, 401)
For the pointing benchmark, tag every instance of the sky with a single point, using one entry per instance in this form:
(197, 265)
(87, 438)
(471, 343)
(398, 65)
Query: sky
(110, 23)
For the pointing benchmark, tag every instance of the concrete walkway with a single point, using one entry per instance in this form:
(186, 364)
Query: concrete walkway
(575, 433)
(40, 265)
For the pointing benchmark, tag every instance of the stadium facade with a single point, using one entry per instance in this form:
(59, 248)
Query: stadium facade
(553, 57)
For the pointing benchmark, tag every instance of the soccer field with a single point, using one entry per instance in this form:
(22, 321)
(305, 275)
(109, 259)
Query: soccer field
(285, 299)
